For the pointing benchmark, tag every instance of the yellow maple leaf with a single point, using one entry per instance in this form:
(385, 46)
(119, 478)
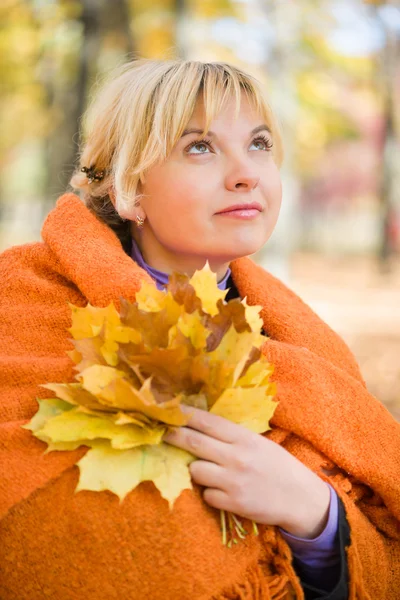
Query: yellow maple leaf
(97, 379)
(257, 373)
(75, 394)
(235, 349)
(252, 316)
(73, 426)
(91, 322)
(87, 352)
(115, 336)
(192, 328)
(48, 408)
(150, 299)
(120, 471)
(87, 321)
(134, 417)
(206, 288)
(113, 389)
(251, 407)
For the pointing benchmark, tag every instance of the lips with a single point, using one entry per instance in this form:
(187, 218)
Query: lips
(248, 206)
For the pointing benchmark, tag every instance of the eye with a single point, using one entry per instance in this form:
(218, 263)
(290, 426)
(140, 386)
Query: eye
(201, 145)
(263, 143)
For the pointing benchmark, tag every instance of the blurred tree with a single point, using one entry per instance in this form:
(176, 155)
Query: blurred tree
(22, 96)
(67, 77)
(299, 68)
(388, 73)
(154, 26)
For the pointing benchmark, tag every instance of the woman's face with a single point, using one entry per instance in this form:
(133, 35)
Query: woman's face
(184, 194)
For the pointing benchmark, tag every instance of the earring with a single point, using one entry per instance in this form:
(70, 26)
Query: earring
(139, 221)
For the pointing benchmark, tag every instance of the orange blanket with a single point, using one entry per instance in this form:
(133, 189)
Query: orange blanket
(65, 546)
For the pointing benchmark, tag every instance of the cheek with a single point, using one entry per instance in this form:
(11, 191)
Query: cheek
(173, 185)
(181, 198)
(273, 187)
(273, 194)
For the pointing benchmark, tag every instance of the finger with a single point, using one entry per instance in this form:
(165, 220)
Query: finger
(207, 473)
(218, 499)
(199, 444)
(213, 425)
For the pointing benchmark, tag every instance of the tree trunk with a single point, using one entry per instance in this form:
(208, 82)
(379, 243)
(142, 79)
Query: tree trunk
(282, 67)
(68, 98)
(389, 65)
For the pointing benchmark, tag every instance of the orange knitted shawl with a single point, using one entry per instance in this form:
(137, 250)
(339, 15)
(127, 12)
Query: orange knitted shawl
(64, 546)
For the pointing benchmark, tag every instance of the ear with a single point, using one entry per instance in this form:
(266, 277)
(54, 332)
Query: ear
(128, 213)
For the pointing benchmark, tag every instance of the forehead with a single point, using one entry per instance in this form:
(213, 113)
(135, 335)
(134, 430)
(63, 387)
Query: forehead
(231, 114)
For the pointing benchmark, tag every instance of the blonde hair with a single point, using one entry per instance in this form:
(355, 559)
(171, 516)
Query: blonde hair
(138, 115)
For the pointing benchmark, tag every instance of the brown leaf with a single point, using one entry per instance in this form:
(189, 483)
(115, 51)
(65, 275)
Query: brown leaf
(184, 293)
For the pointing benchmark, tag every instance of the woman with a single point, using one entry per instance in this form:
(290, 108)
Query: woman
(181, 165)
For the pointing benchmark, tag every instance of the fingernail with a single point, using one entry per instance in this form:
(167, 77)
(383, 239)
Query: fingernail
(170, 435)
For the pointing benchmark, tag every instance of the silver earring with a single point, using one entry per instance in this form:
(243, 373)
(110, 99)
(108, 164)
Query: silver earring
(139, 221)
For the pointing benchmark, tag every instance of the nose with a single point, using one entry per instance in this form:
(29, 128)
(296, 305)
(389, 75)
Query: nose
(241, 179)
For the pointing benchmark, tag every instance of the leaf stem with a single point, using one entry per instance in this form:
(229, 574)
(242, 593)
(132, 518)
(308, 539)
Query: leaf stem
(239, 525)
(223, 526)
(255, 528)
(231, 524)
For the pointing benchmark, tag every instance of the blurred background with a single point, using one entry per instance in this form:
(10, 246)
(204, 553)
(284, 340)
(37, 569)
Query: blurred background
(332, 68)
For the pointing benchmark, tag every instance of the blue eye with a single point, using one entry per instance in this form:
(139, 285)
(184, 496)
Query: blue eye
(205, 144)
(264, 142)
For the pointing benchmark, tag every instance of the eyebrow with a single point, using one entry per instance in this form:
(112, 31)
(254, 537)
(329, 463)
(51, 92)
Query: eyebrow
(212, 134)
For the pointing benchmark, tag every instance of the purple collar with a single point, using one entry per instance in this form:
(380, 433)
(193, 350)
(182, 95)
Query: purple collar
(160, 277)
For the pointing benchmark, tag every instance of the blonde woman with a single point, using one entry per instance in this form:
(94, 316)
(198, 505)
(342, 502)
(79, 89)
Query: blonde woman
(180, 166)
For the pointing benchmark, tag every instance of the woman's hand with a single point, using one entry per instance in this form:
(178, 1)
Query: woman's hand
(252, 476)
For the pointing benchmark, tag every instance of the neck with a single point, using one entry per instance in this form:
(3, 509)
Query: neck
(166, 262)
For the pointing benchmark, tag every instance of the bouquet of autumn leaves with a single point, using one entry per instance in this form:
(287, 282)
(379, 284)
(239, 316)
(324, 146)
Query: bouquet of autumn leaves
(183, 345)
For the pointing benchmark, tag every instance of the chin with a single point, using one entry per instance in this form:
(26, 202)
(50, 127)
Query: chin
(245, 247)
(240, 250)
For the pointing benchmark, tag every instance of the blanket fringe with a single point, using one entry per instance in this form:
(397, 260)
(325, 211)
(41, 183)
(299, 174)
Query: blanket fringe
(283, 564)
(357, 589)
(257, 585)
